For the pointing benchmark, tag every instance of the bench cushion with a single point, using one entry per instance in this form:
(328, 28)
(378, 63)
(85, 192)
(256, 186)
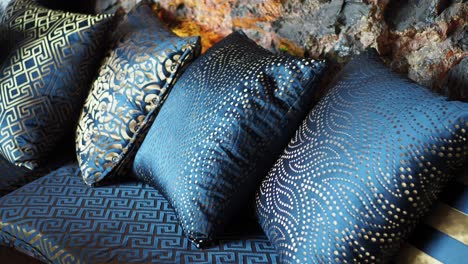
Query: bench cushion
(58, 219)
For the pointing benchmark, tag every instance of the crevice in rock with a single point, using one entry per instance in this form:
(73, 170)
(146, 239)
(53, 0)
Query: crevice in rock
(455, 84)
(404, 14)
(442, 5)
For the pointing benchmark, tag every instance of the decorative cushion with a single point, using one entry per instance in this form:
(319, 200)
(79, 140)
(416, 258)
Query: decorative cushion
(58, 219)
(363, 168)
(219, 131)
(443, 236)
(44, 77)
(125, 98)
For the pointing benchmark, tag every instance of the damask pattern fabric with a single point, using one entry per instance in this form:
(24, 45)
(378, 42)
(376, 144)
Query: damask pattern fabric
(132, 84)
(44, 77)
(226, 119)
(443, 236)
(58, 219)
(363, 168)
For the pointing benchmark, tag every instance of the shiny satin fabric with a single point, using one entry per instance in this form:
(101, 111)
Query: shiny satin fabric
(133, 82)
(51, 58)
(364, 168)
(58, 219)
(217, 134)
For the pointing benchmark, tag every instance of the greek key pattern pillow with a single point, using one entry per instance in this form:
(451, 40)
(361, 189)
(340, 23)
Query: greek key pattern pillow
(45, 76)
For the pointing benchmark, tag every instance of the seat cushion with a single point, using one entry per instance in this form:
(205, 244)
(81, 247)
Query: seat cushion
(58, 219)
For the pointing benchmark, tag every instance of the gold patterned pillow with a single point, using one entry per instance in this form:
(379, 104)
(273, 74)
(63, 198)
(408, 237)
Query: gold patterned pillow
(44, 77)
(132, 84)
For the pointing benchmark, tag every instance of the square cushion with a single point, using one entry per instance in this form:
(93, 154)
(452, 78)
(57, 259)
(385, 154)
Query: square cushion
(363, 169)
(58, 219)
(133, 82)
(50, 59)
(220, 129)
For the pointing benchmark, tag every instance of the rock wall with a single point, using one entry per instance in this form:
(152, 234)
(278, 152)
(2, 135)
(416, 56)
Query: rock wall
(427, 40)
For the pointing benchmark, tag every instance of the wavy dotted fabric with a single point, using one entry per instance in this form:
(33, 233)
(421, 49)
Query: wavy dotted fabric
(58, 219)
(363, 168)
(132, 84)
(220, 129)
(51, 58)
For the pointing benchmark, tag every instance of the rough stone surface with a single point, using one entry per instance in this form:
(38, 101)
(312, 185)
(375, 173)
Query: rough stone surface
(404, 14)
(456, 82)
(426, 40)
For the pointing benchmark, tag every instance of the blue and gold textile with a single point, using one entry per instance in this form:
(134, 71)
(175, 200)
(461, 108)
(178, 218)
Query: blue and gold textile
(443, 236)
(221, 128)
(58, 219)
(50, 58)
(132, 84)
(363, 169)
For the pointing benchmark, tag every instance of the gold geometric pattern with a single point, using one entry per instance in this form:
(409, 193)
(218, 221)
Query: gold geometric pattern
(44, 77)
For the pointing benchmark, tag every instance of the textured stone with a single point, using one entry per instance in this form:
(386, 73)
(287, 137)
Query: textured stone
(426, 40)
(403, 14)
(456, 82)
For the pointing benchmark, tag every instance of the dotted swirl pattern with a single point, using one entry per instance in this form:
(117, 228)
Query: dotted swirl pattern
(132, 84)
(363, 168)
(223, 125)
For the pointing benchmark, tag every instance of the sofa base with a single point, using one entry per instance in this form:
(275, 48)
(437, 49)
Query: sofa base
(10, 255)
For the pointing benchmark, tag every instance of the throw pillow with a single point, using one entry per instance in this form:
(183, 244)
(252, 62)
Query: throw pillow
(44, 77)
(224, 123)
(125, 98)
(363, 168)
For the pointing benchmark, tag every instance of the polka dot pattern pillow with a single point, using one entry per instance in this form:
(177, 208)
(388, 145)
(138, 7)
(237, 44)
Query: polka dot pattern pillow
(221, 128)
(363, 168)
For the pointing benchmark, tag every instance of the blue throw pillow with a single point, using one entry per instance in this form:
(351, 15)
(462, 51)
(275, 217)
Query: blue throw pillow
(50, 58)
(363, 168)
(132, 84)
(221, 128)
